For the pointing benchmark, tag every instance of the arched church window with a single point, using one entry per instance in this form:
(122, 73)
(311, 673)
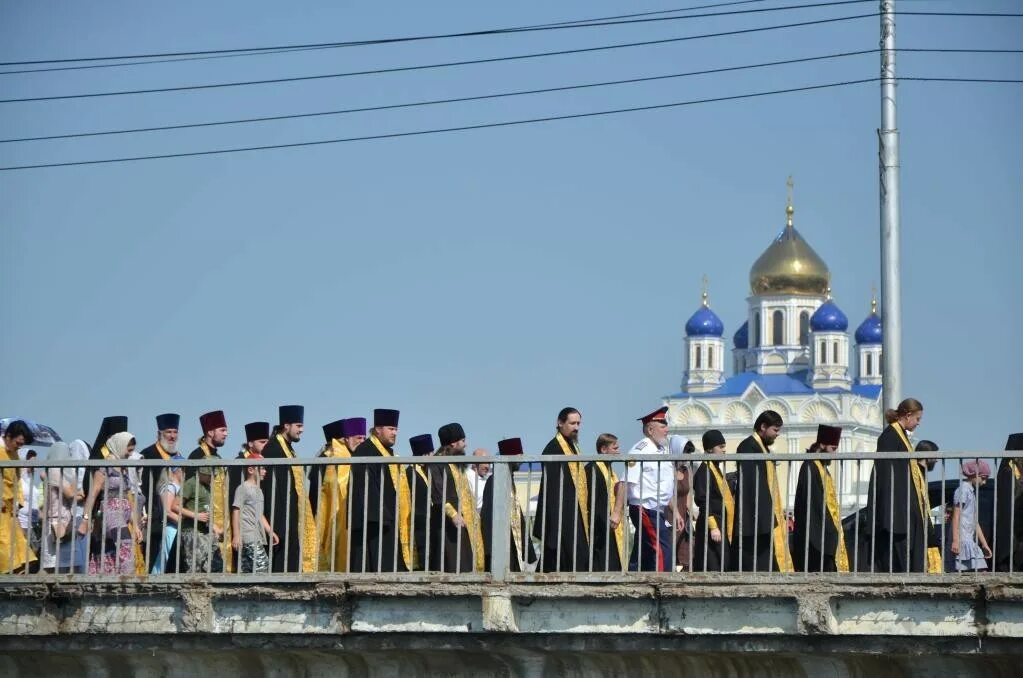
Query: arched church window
(822, 357)
(756, 329)
(804, 329)
(834, 353)
(870, 365)
(710, 357)
(697, 357)
(778, 328)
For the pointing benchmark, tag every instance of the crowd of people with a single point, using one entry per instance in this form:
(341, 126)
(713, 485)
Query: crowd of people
(631, 512)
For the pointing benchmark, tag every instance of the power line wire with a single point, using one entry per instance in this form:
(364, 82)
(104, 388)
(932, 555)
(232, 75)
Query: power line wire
(508, 123)
(379, 71)
(461, 128)
(285, 50)
(434, 102)
(590, 23)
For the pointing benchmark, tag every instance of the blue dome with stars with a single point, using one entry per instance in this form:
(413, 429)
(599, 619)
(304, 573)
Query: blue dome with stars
(741, 338)
(829, 318)
(869, 331)
(704, 323)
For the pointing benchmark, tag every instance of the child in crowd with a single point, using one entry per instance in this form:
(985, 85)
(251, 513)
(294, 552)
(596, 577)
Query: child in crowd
(966, 531)
(248, 524)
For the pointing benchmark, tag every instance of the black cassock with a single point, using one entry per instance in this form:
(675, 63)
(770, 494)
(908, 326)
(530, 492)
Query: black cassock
(813, 521)
(518, 552)
(450, 547)
(422, 521)
(374, 535)
(711, 503)
(606, 556)
(893, 511)
(284, 510)
(559, 523)
(754, 513)
(1008, 530)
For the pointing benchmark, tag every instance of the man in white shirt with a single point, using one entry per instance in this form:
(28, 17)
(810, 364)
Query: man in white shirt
(652, 498)
(477, 475)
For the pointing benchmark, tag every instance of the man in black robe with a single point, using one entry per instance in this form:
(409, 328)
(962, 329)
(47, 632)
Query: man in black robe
(165, 447)
(560, 525)
(1008, 543)
(818, 543)
(607, 502)
(214, 435)
(715, 521)
(418, 478)
(760, 526)
(380, 540)
(520, 546)
(457, 544)
(895, 520)
(286, 498)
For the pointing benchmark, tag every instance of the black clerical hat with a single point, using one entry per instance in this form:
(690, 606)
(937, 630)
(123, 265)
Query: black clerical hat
(450, 433)
(421, 444)
(166, 421)
(257, 430)
(291, 414)
(385, 417)
(334, 429)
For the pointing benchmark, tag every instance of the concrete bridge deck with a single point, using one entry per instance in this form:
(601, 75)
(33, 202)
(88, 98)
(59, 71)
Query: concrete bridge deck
(765, 625)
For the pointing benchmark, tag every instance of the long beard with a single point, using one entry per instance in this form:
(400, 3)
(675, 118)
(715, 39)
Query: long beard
(169, 447)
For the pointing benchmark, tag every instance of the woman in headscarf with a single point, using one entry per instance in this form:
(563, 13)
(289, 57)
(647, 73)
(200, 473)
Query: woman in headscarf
(63, 546)
(117, 519)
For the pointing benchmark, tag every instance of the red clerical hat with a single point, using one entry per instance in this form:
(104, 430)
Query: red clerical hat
(212, 420)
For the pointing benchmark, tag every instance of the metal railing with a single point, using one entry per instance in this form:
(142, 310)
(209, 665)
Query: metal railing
(596, 515)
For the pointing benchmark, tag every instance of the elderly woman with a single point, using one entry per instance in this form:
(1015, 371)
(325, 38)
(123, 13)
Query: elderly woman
(117, 522)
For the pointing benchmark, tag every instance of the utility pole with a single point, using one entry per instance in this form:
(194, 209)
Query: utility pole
(888, 152)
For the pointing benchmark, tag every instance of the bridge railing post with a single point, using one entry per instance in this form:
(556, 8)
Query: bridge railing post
(500, 557)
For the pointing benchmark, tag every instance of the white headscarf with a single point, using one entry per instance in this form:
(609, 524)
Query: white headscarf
(56, 477)
(118, 444)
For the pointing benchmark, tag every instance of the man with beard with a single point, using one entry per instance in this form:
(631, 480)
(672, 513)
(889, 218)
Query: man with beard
(214, 435)
(818, 542)
(457, 542)
(381, 536)
(715, 515)
(418, 478)
(289, 511)
(165, 447)
(762, 535)
(607, 493)
(521, 553)
(653, 507)
(562, 509)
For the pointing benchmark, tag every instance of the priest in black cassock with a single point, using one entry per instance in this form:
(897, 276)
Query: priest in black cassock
(214, 435)
(714, 529)
(457, 544)
(606, 502)
(760, 525)
(1008, 541)
(896, 518)
(418, 478)
(521, 552)
(165, 447)
(818, 542)
(381, 536)
(561, 509)
(286, 498)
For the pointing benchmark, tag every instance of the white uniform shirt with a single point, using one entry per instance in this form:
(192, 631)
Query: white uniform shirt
(651, 483)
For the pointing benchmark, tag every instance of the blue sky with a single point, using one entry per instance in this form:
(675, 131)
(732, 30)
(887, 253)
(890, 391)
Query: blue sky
(487, 277)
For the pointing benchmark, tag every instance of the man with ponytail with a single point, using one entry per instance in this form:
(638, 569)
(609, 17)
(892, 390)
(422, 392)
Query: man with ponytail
(897, 499)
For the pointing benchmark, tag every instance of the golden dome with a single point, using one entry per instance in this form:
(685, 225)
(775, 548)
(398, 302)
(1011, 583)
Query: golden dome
(789, 266)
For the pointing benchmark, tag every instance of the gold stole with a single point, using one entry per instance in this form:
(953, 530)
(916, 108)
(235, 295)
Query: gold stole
(726, 498)
(521, 550)
(609, 482)
(162, 453)
(1015, 470)
(332, 530)
(12, 556)
(220, 502)
(780, 531)
(841, 555)
(467, 509)
(309, 551)
(404, 506)
(582, 492)
(917, 473)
